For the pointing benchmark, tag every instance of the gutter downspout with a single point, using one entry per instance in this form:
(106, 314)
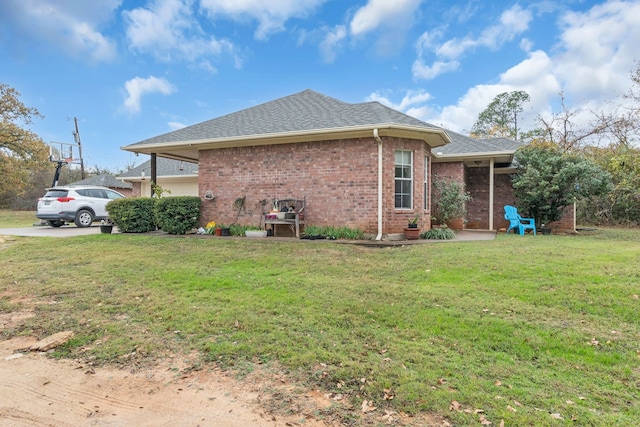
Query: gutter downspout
(377, 138)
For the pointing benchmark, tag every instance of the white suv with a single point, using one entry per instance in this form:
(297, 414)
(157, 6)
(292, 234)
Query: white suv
(80, 204)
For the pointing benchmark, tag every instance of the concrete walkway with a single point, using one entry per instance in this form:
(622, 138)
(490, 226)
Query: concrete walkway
(71, 230)
(47, 231)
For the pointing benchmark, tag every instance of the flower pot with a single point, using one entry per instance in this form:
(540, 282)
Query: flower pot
(106, 229)
(225, 232)
(289, 215)
(218, 231)
(412, 233)
(412, 225)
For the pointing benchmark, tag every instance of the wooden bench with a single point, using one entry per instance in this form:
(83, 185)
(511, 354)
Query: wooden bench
(290, 212)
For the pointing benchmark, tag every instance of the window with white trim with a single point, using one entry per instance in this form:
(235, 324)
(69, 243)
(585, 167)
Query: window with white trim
(404, 179)
(426, 183)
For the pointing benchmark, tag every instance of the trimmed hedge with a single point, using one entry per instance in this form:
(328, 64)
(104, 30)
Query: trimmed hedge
(177, 215)
(133, 214)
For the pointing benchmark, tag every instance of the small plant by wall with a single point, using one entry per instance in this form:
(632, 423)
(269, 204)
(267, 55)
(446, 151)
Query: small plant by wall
(327, 232)
(438, 233)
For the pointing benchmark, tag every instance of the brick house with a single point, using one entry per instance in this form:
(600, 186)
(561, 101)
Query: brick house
(359, 165)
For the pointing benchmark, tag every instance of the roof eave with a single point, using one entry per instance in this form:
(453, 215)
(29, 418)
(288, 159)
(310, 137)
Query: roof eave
(433, 137)
(440, 157)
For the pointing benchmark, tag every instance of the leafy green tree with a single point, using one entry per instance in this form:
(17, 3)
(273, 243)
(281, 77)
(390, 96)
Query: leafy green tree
(23, 155)
(549, 179)
(500, 118)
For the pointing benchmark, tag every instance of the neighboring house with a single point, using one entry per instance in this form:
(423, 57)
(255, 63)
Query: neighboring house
(106, 180)
(359, 165)
(178, 177)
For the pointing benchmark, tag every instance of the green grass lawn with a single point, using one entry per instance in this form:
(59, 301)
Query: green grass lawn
(530, 330)
(12, 219)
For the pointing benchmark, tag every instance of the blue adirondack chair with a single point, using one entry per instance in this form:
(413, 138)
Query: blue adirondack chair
(516, 221)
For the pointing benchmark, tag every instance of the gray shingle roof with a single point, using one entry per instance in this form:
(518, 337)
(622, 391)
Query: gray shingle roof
(104, 180)
(164, 168)
(462, 144)
(303, 111)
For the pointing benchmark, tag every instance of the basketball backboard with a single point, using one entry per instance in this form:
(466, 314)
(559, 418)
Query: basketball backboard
(64, 152)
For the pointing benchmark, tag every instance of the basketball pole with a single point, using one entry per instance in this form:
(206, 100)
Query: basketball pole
(76, 137)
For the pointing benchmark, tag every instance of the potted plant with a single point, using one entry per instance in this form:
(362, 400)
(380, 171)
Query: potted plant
(106, 226)
(211, 228)
(412, 232)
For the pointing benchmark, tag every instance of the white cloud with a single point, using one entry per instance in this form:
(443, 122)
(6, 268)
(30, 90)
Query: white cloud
(168, 30)
(332, 42)
(590, 66)
(410, 99)
(138, 87)
(377, 13)
(176, 125)
(513, 22)
(390, 20)
(598, 49)
(74, 27)
(271, 15)
(427, 72)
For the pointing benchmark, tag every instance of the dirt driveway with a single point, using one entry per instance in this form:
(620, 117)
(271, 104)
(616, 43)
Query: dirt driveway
(38, 391)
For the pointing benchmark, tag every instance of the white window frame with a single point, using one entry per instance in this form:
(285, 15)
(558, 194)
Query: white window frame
(426, 183)
(403, 179)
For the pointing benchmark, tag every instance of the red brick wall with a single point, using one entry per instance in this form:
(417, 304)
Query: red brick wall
(478, 208)
(125, 191)
(339, 180)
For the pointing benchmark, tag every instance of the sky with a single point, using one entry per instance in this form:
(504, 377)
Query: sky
(129, 70)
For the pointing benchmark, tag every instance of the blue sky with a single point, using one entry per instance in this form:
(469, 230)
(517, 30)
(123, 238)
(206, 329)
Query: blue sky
(133, 69)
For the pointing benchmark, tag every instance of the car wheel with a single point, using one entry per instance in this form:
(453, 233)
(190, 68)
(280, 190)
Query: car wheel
(84, 218)
(56, 223)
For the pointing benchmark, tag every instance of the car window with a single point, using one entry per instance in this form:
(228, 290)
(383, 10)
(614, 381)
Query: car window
(97, 193)
(56, 193)
(113, 195)
(83, 193)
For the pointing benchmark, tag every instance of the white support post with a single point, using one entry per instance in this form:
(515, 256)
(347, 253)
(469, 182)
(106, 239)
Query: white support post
(491, 185)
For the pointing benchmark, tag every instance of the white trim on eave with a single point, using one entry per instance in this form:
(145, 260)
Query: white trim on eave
(433, 137)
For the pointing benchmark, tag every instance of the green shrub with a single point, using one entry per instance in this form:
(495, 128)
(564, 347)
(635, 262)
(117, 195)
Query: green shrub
(438, 233)
(177, 215)
(133, 214)
(314, 231)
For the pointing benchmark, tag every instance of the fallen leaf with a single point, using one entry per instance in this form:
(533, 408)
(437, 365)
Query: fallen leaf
(515, 402)
(497, 383)
(441, 381)
(484, 421)
(501, 423)
(367, 406)
(455, 406)
(557, 416)
(570, 402)
(511, 408)
(636, 297)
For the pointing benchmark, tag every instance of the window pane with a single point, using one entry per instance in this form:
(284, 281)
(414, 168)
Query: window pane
(399, 158)
(403, 179)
